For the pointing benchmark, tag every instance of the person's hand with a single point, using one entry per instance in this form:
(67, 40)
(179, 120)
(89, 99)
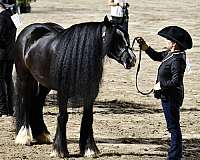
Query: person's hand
(157, 86)
(127, 5)
(123, 5)
(143, 45)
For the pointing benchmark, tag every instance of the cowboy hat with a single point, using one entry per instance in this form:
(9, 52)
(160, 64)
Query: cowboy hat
(178, 35)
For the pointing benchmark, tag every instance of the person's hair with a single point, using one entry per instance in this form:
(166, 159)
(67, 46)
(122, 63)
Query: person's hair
(179, 47)
(2, 5)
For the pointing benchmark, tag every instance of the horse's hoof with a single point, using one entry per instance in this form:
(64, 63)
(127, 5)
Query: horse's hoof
(91, 153)
(24, 136)
(44, 138)
(54, 153)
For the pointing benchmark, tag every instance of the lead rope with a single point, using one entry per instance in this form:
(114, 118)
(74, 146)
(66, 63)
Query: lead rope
(138, 69)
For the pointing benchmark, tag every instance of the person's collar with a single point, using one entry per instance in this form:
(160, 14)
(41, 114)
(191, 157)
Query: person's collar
(2, 9)
(176, 52)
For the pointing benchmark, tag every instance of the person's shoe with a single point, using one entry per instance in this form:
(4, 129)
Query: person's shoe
(3, 113)
(4, 116)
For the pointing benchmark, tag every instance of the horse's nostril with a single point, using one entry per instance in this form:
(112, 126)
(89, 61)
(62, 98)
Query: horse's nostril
(133, 62)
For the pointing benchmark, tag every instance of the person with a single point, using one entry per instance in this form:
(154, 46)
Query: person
(11, 4)
(169, 84)
(7, 41)
(119, 13)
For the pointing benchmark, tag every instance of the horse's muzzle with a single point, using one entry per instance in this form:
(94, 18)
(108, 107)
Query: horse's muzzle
(132, 60)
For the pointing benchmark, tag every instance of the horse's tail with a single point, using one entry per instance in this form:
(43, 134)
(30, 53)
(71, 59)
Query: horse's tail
(26, 86)
(23, 111)
(29, 119)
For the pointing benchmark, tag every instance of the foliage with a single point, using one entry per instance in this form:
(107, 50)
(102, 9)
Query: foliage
(24, 1)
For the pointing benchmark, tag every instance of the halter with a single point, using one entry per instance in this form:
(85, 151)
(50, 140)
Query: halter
(103, 33)
(138, 69)
(125, 49)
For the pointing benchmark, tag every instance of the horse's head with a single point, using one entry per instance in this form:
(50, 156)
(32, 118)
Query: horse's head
(118, 44)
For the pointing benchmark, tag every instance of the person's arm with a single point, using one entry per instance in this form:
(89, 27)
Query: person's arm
(154, 55)
(3, 42)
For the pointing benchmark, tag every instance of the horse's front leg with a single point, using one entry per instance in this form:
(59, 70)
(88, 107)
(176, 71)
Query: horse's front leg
(87, 144)
(60, 142)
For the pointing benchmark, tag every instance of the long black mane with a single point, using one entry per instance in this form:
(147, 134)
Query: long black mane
(80, 60)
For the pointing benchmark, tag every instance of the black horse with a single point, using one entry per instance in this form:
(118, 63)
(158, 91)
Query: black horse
(71, 62)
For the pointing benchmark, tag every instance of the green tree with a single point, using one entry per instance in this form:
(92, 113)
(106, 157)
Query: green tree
(24, 1)
(24, 5)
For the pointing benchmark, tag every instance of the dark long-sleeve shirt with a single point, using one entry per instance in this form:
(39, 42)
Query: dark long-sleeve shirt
(170, 73)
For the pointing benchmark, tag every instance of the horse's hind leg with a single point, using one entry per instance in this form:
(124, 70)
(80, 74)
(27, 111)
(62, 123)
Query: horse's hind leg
(26, 86)
(87, 144)
(60, 142)
(39, 129)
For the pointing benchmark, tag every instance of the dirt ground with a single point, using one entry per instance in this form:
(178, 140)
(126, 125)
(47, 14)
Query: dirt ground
(127, 125)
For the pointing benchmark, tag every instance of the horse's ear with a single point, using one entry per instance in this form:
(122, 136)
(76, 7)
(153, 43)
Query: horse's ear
(106, 21)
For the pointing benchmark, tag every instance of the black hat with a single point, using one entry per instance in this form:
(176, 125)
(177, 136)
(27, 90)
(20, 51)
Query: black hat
(3, 5)
(178, 35)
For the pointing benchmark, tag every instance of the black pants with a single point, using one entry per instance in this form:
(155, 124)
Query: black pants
(6, 87)
(172, 116)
